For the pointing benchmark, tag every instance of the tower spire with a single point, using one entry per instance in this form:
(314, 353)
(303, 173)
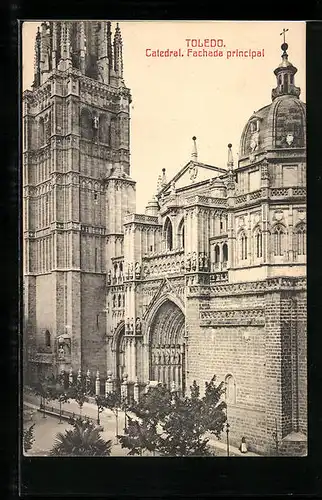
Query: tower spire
(118, 55)
(285, 74)
(194, 154)
(230, 162)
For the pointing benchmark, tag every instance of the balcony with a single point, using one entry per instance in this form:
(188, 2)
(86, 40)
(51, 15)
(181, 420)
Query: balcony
(164, 264)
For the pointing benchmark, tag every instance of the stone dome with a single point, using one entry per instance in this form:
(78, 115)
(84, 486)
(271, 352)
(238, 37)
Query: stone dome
(281, 124)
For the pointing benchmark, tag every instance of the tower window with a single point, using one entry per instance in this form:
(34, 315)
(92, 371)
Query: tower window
(181, 230)
(217, 254)
(225, 252)
(47, 339)
(258, 244)
(278, 240)
(95, 196)
(300, 241)
(230, 389)
(243, 245)
(168, 234)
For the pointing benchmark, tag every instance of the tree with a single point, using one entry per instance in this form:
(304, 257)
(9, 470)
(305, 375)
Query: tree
(112, 401)
(43, 389)
(176, 426)
(78, 391)
(83, 440)
(28, 438)
(100, 403)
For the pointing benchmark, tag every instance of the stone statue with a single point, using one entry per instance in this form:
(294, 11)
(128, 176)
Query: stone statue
(127, 327)
(137, 269)
(131, 270)
(131, 326)
(188, 262)
(95, 121)
(138, 325)
(200, 261)
(61, 351)
(205, 262)
(194, 261)
(173, 188)
(109, 277)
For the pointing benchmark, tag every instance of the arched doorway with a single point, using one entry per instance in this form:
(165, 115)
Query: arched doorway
(167, 348)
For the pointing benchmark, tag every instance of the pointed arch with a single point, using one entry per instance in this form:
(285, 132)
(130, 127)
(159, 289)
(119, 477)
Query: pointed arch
(181, 234)
(86, 128)
(258, 243)
(243, 244)
(168, 234)
(230, 389)
(300, 239)
(278, 235)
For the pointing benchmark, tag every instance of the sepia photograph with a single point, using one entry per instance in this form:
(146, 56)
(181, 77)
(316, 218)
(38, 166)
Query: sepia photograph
(164, 238)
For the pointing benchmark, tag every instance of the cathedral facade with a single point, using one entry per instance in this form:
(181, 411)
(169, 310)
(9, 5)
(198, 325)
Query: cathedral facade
(210, 280)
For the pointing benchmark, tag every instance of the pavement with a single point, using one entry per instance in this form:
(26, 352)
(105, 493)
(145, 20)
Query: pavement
(46, 428)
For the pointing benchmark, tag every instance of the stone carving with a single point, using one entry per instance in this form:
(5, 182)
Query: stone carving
(131, 326)
(188, 262)
(109, 277)
(61, 352)
(137, 269)
(131, 270)
(95, 122)
(194, 261)
(138, 326)
(173, 188)
(127, 326)
(200, 261)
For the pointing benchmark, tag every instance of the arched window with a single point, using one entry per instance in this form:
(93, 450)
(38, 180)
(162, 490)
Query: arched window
(104, 130)
(115, 270)
(285, 83)
(225, 252)
(243, 245)
(300, 239)
(47, 339)
(258, 243)
(181, 234)
(119, 301)
(41, 132)
(168, 232)
(114, 300)
(86, 124)
(230, 386)
(278, 240)
(291, 79)
(217, 254)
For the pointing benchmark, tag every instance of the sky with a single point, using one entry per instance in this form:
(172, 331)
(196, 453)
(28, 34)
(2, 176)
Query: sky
(176, 98)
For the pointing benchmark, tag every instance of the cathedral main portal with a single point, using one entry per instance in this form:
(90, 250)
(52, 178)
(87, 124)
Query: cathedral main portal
(167, 348)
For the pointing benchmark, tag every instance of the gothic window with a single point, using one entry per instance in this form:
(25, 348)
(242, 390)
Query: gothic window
(217, 254)
(96, 259)
(300, 240)
(230, 386)
(86, 124)
(104, 130)
(47, 130)
(119, 301)
(225, 252)
(114, 300)
(291, 79)
(168, 232)
(258, 243)
(41, 132)
(115, 270)
(181, 234)
(278, 240)
(47, 339)
(243, 245)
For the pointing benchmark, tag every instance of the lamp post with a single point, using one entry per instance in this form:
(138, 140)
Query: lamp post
(227, 434)
(227, 423)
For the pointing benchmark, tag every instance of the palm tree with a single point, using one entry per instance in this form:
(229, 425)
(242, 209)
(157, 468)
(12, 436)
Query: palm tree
(83, 440)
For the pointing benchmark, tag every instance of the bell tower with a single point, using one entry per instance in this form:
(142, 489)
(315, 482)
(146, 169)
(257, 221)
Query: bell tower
(75, 150)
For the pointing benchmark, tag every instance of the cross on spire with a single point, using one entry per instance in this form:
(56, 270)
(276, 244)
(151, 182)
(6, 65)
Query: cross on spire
(283, 33)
